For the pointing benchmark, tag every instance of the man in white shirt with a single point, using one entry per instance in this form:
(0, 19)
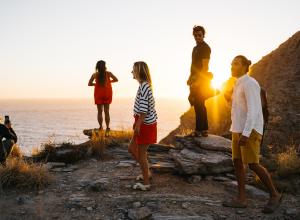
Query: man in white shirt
(247, 130)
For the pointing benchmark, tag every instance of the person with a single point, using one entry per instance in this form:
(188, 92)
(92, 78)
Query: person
(247, 130)
(199, 81)
(8, 139)
(145, 124)
(101, 80)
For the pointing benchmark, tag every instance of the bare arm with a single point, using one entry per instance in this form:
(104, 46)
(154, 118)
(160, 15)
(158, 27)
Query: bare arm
(114, 78)
(138, 123)
(205, 63)
(91, 81)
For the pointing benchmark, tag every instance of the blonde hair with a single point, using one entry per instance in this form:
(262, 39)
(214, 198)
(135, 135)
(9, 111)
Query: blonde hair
(143, 71)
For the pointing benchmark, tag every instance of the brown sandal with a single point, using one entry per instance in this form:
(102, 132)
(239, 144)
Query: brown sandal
(272, 206)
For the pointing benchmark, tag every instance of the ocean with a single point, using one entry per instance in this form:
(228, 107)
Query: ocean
(39, 121)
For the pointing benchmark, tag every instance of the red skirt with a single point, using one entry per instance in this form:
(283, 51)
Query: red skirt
(103, 95)
(148, 133)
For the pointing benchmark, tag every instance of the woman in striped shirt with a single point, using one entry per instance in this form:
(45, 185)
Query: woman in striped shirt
(145, 125)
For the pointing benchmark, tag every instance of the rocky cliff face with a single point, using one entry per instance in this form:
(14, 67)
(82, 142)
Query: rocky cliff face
(277, 72)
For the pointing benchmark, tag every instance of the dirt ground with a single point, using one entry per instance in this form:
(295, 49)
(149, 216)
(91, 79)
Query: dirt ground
(171, 196)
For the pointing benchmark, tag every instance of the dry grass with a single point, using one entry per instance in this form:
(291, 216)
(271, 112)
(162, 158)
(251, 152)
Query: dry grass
(16, 152)
(22, 175)
(95, 147)
(288, 162)
(99, 141)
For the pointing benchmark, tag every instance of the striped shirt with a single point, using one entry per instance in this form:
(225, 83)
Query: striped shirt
(145, 103)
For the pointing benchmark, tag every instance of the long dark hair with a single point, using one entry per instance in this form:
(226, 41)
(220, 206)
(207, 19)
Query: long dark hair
(101, 69)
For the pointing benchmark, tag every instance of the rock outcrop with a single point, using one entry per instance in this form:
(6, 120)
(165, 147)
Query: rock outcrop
(279, 74)
(202, 156)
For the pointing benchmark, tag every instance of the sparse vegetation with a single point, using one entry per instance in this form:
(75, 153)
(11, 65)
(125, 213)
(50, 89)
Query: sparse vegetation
(288, 162)
(22, 175)
(99, 141)
(69, 152)
(16, 152)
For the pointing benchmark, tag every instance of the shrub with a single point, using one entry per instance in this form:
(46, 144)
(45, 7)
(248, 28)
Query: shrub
(22, 175)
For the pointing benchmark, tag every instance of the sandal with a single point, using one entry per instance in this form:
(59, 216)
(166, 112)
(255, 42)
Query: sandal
(194, 134)
(234, 204)
(204, 133)
(272, 206)
(140, 186)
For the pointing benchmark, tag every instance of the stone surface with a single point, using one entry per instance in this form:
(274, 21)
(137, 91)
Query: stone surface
(163, 167)
(80, 201)
(214, 142)
(51, 165)
(137, 204)
(99, 185)
(279, 74)
(195, 179)
(251, 190)
(206, 163)
(139, 213)
(176, 217)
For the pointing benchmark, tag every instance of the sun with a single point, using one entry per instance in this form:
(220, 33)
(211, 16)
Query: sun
(216, 83)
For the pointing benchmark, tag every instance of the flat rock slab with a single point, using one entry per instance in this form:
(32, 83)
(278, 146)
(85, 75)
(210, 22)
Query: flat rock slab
(163, 167)
(52, 165)
(251, 190)
(159, 148)
(214, 142)
(126, 163)
(205, 163)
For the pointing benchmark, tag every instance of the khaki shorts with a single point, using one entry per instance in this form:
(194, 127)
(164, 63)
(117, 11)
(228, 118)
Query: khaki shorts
(249, 153)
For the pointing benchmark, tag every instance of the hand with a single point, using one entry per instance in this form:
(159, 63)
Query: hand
(242, 141)
(137, 128)
(8, 125)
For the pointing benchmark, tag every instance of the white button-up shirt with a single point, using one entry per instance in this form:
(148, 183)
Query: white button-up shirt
(246, 111)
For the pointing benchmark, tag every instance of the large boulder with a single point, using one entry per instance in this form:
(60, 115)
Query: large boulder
(202, 156)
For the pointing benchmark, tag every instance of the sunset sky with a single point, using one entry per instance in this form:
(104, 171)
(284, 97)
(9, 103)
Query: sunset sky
(49, 48)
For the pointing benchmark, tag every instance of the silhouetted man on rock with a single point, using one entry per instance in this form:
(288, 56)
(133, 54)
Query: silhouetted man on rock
(199, 81)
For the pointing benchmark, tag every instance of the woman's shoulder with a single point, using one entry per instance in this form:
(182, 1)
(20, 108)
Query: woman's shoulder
(95, 74)
(144, 86)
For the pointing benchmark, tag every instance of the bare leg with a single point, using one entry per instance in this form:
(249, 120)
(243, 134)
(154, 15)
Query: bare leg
(107, 116)
(265, 177)
(240, 176)
(144, 163)
(134, 150)
(99, 116)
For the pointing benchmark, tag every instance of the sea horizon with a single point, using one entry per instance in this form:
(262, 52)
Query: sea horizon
(38, 121)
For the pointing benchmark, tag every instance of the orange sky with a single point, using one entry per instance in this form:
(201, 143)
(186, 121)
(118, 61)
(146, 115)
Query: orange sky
(48, 49)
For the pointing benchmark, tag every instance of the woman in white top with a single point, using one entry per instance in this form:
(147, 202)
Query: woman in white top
(145, 124)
